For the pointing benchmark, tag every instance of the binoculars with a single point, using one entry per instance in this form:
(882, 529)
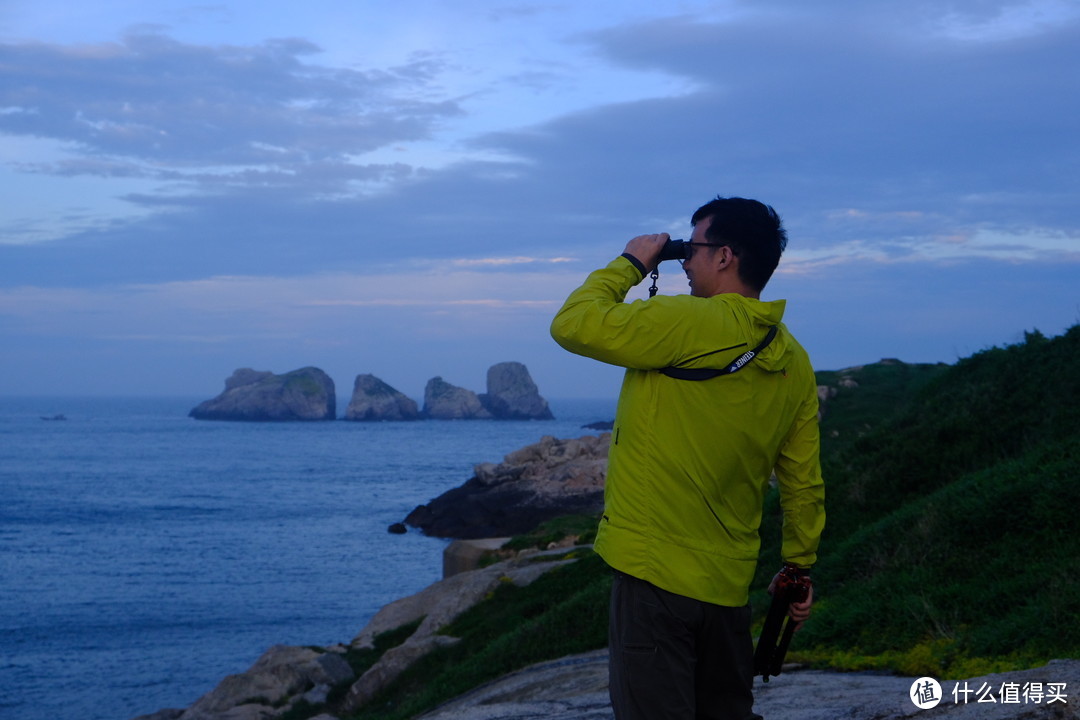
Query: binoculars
(674, 250)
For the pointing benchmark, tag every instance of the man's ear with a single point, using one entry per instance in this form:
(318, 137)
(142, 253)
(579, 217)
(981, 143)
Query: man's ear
(724, 257)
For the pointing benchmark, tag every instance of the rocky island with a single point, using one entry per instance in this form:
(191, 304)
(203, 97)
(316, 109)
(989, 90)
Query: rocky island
(443, 401)
(308, 394)
(374, 400)
(511, 395)
(252, 395)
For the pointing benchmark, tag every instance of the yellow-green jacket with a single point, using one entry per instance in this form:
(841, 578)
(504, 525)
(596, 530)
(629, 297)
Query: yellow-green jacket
(690, 461)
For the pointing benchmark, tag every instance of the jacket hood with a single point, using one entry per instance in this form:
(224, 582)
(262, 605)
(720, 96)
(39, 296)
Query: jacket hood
(756, 317)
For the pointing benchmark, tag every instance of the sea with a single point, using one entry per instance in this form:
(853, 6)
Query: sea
(145, 555)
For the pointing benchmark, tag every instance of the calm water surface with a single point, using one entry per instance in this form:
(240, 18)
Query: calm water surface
(145, 555)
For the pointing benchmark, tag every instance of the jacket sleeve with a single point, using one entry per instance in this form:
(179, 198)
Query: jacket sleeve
(595, 322)
(802, 490)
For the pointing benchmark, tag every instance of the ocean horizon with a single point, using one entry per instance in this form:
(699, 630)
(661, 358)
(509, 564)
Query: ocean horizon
(145, 555)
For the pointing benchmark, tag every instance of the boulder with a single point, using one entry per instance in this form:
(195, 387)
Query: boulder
(443, 401)
(465, 555)
(825, 393)
(282, 672)
(534, 484)
(304, 394)
(512, 394)
(372, 399)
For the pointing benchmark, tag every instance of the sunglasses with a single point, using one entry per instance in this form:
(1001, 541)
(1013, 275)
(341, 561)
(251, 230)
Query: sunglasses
(690, 248)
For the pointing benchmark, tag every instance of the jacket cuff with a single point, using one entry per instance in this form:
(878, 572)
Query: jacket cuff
(636, 263)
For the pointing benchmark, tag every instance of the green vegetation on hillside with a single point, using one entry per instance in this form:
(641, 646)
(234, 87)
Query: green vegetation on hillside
(563, 612)
(949, 541)
(950, 548)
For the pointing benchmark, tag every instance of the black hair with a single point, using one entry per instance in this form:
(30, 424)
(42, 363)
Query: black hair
(752, 230)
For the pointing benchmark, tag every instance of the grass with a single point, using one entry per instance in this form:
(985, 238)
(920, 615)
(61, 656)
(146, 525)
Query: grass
(563, 612)
(948, 552)
(360, 660)
(580, 527)
(981, 565)
(949, 540)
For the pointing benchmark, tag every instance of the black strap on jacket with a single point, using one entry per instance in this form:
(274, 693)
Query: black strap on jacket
(708, 373)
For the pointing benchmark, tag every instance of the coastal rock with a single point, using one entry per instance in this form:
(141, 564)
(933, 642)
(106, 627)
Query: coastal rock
(570, 688)
(534, 484)
(304, 394)
(576, 688)
(465, 555)
(600, 425)
(441, 602)
(512, 394)
(167, 714)
(443, 401)
(372, 399)
(393, 662)
(282, 672)
(436, 606)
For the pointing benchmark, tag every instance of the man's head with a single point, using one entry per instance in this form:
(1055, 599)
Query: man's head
(742, 234)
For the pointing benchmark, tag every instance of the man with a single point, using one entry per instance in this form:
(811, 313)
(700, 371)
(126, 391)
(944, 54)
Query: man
(690, 460)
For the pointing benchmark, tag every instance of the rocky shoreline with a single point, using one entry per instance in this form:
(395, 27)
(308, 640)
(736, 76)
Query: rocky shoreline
(284, 676)
(575, 687)
(550, 478)
(560, 476)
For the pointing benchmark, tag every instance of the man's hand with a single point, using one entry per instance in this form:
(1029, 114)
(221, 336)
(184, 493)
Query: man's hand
(798, 612)
(646, 248)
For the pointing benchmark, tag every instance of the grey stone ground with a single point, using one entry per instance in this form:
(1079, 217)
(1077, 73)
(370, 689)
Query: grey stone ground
(575, 688)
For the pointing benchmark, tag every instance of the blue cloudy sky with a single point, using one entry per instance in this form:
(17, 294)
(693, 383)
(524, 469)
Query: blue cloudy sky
(411, 189)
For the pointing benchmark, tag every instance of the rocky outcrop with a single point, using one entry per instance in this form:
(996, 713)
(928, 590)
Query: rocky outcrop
(465, 555)
(304, 394)
(576, 688)
(372, 400)
(443, 401)
(512, 394)
(435, 607)
(534, 484)
(279, 679)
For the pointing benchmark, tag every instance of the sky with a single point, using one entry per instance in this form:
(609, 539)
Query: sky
(412, 189)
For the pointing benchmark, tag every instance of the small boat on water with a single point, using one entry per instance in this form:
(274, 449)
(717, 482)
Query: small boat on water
(58, 416)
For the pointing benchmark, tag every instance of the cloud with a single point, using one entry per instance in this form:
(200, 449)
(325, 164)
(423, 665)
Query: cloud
(284, 307)
(505, 261)
(152, 106)
(817, 111)
(874, 140)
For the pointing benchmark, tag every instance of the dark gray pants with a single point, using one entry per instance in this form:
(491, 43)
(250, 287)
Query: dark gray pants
(675, 657)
